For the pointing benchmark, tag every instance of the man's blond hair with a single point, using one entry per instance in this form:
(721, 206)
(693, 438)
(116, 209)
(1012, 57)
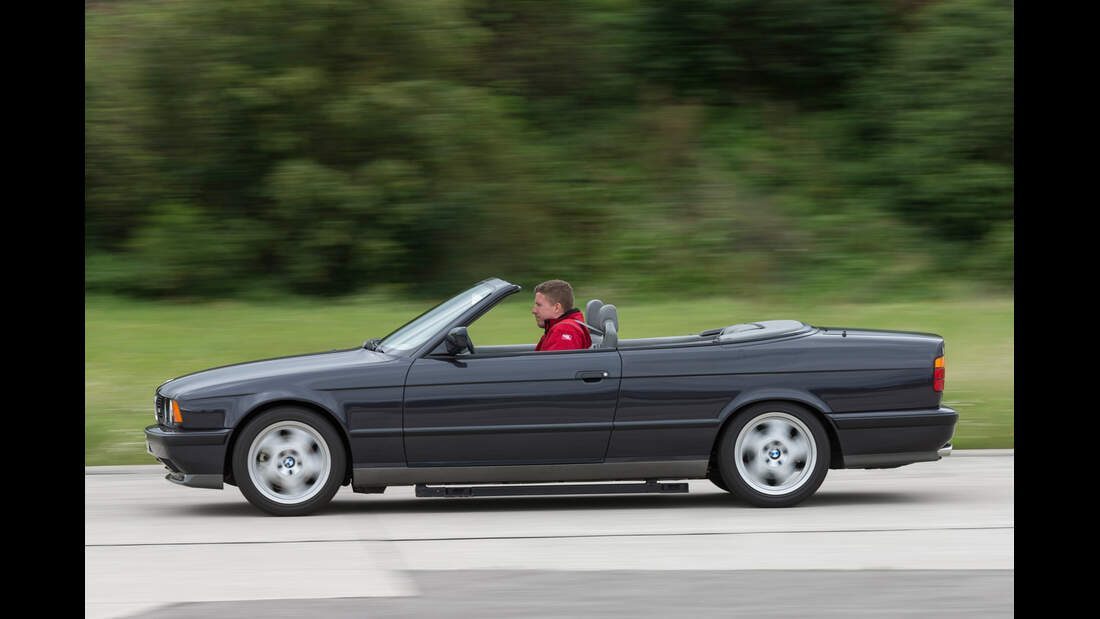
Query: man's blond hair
(557, 291)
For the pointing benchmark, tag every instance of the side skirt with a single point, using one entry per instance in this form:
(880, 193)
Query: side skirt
(365, 479)
(517, 490)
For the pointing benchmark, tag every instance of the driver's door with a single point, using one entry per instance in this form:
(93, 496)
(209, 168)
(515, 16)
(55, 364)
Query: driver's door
(511, 408)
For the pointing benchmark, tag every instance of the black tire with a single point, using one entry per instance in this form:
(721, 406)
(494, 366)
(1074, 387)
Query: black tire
(289, 461)
(774, 454)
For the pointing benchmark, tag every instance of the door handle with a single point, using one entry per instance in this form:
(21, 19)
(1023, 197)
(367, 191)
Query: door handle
(592, 376)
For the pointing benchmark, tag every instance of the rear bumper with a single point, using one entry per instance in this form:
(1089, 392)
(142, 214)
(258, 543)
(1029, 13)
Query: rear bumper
(194, 458)
(894, 438)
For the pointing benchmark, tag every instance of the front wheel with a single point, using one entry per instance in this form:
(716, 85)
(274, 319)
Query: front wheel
(774, 455)
(289, 462)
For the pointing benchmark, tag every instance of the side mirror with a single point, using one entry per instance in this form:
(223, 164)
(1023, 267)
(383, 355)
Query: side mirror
(458, 340)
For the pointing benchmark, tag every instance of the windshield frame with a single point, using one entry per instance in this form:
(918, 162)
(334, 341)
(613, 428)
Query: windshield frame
(427, 330)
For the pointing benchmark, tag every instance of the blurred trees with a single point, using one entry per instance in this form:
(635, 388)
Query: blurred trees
(731, 51)
(941, 122)
(740, 146)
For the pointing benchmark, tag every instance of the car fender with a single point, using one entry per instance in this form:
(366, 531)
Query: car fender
(320, 401)
(765, 394)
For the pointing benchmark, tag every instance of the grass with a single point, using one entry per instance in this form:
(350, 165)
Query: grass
(130, 347)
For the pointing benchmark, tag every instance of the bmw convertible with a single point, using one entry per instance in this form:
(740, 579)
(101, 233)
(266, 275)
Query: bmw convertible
(762, 409)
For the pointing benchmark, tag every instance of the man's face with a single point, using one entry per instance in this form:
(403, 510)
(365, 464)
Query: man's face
(545, 310)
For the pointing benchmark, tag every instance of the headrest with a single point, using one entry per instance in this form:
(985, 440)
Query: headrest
(608, 321)
(592, 312)
(610, 336)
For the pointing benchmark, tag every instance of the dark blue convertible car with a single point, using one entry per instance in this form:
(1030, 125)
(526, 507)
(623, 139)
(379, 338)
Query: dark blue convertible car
(762, 409)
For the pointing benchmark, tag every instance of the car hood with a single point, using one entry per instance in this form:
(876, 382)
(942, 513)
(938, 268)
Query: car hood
(243, 378)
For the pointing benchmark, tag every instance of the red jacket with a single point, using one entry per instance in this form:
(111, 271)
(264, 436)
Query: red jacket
(563, 333)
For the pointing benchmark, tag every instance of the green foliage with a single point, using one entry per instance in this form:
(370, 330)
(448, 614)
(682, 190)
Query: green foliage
(164, 259)
(329, 147)
(940, 119)
(730, 50)
(562, 58)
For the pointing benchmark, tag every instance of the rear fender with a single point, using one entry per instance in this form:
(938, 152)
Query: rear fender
(746, 398)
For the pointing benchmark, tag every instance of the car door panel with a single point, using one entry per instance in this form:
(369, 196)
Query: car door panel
(529, 408)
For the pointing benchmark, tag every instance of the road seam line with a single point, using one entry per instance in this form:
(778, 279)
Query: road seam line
(534, 537)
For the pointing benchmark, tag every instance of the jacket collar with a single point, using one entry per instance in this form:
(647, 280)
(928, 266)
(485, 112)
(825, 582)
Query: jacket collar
(567, 315)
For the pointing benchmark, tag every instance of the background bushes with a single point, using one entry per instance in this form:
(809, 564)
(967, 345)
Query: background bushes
(326, 147)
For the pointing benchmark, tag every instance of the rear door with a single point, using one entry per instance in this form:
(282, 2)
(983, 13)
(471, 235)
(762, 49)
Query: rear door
(511, 409)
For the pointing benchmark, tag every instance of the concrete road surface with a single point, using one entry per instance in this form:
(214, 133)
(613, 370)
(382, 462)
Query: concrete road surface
(931, 538)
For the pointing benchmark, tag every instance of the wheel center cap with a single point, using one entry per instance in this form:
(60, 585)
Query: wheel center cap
(774, 454)
(289, 463)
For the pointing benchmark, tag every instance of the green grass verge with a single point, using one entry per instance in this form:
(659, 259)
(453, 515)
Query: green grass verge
(130, 347)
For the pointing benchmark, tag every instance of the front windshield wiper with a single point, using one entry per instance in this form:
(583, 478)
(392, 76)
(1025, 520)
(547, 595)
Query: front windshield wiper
(373, 344)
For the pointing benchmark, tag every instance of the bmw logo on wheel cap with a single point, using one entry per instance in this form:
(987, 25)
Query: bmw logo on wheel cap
(288, 463)
(774, 454)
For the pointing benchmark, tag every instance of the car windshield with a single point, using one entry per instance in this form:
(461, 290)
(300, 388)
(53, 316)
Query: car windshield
(418, 330)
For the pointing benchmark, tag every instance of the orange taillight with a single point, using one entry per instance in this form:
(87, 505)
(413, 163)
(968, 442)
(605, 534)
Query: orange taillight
(938, 372)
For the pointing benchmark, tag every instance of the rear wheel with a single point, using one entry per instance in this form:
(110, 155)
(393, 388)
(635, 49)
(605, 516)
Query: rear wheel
(774, 454)
(289, 461)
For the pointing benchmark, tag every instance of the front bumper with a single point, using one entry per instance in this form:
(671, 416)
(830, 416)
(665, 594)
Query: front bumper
(194, 458)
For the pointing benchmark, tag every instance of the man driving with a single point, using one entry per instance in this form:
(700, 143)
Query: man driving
(564, 330)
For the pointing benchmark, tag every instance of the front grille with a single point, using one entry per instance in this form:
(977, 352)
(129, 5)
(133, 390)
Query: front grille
(161, 410)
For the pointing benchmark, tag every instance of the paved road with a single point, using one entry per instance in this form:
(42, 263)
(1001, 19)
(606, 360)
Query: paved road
(929, 538)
